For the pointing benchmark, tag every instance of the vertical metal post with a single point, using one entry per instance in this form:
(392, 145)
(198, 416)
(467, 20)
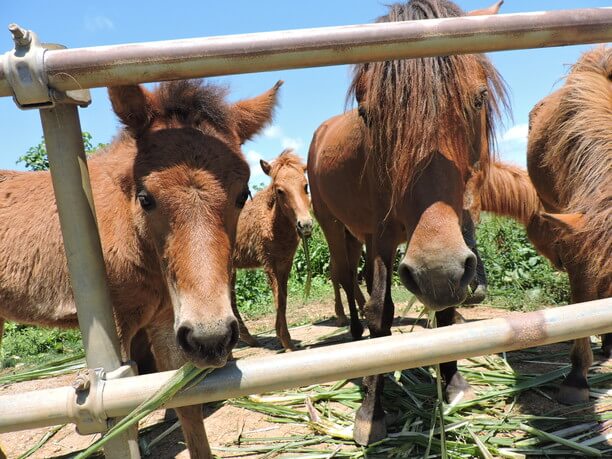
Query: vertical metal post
(77, 216)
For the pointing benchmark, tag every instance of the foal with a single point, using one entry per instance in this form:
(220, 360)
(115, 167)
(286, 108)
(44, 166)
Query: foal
(167, 192)
(269, 231)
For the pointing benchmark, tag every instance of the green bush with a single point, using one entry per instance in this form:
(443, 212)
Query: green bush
(25, 341)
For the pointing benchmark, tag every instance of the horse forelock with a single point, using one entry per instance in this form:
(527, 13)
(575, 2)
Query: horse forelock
(287, 158)
(410, 102)
(580, 154)
(193, 102)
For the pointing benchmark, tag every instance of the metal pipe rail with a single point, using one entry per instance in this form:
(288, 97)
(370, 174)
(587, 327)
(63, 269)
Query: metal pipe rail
(342, 361)
(69, 69)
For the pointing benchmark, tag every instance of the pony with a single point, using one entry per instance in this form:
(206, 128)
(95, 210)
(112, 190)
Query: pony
(168, 191)
(569, 159)
(269, 231)
(397, 169)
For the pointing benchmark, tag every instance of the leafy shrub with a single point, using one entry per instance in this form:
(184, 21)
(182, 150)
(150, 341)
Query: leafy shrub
(515, 271)
(22, 341)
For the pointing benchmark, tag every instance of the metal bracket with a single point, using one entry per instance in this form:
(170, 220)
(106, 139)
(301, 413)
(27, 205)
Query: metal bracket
(87, 407)
(25, 72)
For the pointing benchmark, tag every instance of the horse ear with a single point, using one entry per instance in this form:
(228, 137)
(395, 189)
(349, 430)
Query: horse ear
(133, 105)
(253, 114)
(265, 166)
(567, 223)
(493, 9)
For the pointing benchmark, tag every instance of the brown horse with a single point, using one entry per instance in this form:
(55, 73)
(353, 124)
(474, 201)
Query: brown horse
(268, 234)
(168, 192)
(569, 159)
(396, 169)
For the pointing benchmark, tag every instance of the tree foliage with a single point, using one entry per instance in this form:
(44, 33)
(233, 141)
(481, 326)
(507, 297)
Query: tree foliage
(36, 158)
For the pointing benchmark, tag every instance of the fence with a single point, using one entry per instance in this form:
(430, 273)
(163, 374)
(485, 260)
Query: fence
(52, 79)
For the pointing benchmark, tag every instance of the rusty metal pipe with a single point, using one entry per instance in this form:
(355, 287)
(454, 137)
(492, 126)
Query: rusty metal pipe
(247, 53)
(341, 361)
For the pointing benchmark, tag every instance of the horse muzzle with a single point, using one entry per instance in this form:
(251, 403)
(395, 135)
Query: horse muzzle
(208, 344)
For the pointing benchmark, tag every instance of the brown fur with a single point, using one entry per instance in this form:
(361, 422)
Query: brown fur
(398, 168)
(269, 233)
(572, 138)
(167, 192)
(570, 163)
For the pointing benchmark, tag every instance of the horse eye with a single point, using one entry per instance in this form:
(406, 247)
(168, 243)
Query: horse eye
(306, 188)
(242, 199)
(480, 99)
(146, 200)
(280, 191)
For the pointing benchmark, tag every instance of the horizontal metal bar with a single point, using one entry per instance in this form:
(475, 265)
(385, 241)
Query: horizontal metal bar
(222, 55)
(342, 361)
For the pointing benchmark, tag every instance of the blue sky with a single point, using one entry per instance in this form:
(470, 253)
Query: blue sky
(308, 97)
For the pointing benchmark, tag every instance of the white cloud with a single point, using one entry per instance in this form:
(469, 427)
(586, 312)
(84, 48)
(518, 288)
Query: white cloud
(513, 145)
(98, 23)
(253, 158)
(293, 143)
(272, 132)
(518, 132)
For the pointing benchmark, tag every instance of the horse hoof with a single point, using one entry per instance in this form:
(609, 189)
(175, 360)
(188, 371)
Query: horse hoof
(250, 341)
(477, 296)
(459, 390)
(458, 318)
(342, 321)
(368, 431)
(570, 395)
(289, 347)
(356, 330)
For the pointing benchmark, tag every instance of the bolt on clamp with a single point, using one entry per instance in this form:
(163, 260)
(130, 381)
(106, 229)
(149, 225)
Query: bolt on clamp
(25, 72)
(86, 406)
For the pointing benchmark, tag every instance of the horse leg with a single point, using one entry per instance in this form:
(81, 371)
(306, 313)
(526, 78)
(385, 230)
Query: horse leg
(336, 236)
(245, 335)
(278, 278)
(455, 384)
(575, 388)
(368, 267)
(479, 284)
(606, 345)
(169, 357)
(370, 425)
(140, 352)
(341, 319)
(1, 331)
(353, 253)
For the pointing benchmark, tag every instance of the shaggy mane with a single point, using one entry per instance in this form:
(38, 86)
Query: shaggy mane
(409, 100)
(507, 190)
(581, 154)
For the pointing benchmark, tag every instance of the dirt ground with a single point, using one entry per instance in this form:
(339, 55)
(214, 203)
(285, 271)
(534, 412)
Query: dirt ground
(226, 424)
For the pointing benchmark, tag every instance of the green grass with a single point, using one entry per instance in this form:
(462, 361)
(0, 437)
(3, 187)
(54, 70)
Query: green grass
(28, 345)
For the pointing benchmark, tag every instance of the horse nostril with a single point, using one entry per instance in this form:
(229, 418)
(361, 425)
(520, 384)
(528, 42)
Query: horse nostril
(184, 337)
(469, 270)
(408, 278)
